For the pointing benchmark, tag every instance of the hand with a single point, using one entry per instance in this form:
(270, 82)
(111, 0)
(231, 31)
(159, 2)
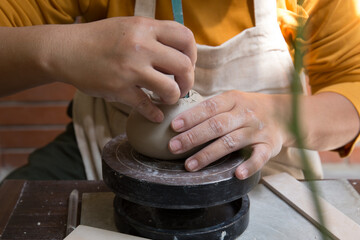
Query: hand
(236, 120)
(116, 57)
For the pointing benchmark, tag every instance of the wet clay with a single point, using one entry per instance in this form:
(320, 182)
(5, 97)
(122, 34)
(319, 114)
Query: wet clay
(152, 139)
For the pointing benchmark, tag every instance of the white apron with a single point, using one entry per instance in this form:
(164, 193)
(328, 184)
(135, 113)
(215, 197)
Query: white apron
(255, 60)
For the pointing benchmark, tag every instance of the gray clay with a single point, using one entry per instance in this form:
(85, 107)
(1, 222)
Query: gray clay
(152, 139)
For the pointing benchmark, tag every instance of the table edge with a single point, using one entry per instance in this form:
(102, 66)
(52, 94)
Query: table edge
(10, 191)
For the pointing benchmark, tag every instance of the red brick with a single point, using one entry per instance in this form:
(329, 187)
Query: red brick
(49, 92)
(355, 156)
(33, 114)
(14, 157)
(31, 119)
(28, 138)
(330, 157)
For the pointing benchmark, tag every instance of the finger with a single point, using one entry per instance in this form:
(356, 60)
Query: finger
(170, 61)
(259, 157)
(221, 147)
(208, 130)
(201, 112)
(143, 104)
(164, 86)
(177, 36)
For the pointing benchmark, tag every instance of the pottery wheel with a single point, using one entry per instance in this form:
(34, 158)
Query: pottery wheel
(225, 221)
(166, 184)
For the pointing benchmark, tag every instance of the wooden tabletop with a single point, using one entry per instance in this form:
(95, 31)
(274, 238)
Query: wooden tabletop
(38, 209)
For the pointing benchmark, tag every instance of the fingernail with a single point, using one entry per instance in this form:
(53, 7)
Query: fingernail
(192, 164)
(244, 173)
(175, 145)
(178, 124)
(159, 118)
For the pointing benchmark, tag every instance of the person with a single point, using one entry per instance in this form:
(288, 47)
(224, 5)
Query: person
(238, 54)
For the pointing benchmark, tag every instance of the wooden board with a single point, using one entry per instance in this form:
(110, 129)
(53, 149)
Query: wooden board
(38, 209)
(9, 196)
(337, 225)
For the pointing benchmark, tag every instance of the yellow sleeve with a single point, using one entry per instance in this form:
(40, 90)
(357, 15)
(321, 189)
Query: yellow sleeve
(212, 25)
(331, 44)
(35, 12)
(15, 13)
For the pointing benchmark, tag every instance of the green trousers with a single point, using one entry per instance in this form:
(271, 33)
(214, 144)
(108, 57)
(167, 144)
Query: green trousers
(59, 160)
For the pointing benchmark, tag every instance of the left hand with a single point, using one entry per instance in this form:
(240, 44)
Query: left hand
(236, 120)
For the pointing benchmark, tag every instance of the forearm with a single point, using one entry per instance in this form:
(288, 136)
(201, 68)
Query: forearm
(111, 59)
(22, 63)
(327, 120)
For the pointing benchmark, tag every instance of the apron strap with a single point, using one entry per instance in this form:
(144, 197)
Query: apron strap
(265, 12)
(145, 8)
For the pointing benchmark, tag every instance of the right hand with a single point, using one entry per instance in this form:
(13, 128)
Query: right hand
(116, 57)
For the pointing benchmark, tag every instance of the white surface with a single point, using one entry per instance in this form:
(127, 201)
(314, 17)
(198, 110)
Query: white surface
(341, 170)
(300, 198)
(91, 233)
(273, 219)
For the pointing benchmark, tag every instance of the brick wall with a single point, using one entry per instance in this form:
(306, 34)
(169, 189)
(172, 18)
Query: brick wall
(333, 157)
(31, 119)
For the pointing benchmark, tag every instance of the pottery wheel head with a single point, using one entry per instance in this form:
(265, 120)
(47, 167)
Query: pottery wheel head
(124, 159)
(167, 184)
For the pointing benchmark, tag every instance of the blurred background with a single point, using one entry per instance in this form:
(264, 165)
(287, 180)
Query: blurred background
(29, 120)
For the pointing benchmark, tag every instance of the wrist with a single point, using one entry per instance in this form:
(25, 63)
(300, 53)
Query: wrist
(280, 106)
(54, 40)
(21, 61)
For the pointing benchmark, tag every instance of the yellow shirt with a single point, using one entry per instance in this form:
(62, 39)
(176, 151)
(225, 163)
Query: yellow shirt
(331, 39)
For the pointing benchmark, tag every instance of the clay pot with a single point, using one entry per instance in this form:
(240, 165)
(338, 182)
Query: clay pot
(152, 139)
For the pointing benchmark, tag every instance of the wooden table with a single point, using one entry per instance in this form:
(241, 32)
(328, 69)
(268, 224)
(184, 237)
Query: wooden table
(38, 209)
